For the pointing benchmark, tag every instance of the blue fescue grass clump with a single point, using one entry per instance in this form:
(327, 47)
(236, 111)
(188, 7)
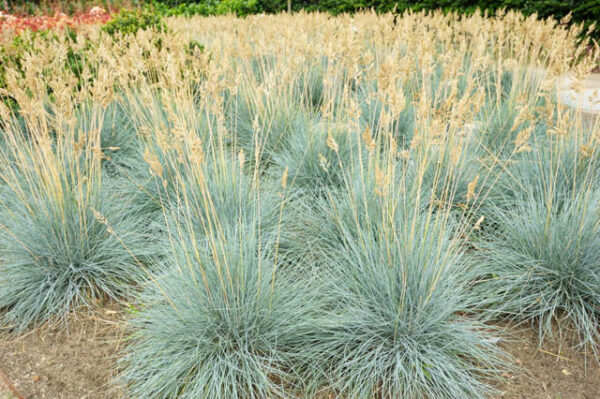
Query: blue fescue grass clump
(554, 170)
(261, 126)
(220, 325)
(118, 139)
(316, 157)
(403, 334)
(537, 255)
(66, 240)
(232, 199)
(220, 321)
(452, 174)
(402, 125)
(541, 265)
(157, 119)
(401, 293)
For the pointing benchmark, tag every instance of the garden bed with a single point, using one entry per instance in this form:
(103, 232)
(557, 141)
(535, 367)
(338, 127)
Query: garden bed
(64, 363)
(52, 363)
(299, 206)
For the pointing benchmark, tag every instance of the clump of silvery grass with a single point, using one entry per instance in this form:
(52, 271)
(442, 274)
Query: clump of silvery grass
(220, 325)
(401, 292)
(221, 321)
(119, 142)
(537, 261)
(159, 121)
(548, 169)
(66, 240)
(541, 265)
(259, 121)
(316, 157)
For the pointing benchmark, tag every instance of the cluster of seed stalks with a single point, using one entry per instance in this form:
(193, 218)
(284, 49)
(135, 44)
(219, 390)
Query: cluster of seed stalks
(305, 205)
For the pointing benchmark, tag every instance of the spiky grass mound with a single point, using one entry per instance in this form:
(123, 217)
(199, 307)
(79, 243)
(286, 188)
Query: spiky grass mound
(221, 322)
(315, 157)
(220, 325)
(64, 247)
(119, 143)
(399, 282)
(542, 265)
(402, 334)
(552, 170)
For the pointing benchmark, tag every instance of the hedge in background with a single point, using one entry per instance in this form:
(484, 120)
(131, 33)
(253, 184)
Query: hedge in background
(586, 11)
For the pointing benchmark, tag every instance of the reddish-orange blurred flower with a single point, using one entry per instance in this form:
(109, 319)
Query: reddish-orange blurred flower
(60, 20)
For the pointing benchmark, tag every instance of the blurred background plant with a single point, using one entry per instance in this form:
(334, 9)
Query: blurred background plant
(569, 11)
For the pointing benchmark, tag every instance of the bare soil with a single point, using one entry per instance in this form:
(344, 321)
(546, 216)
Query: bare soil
(78, 363)
(72, 362)
(550, 372)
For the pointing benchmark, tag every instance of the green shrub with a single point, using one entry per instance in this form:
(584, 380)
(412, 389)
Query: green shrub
(130, 21)
(586, 12)
(49, 7)
(219, 7)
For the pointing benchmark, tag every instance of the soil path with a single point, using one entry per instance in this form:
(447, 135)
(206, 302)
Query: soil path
(53, 364)
(549, 372)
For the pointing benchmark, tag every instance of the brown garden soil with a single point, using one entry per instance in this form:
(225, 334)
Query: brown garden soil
(53, 363)
(550, 372)
(75, 361)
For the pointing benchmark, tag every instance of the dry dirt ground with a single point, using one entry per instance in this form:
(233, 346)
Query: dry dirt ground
(52, 363)
(78, 363)
(549, 372)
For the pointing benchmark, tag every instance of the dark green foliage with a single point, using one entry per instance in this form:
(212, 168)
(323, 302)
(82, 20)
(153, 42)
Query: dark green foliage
(210, 7)
(587, 11)
(130, 21)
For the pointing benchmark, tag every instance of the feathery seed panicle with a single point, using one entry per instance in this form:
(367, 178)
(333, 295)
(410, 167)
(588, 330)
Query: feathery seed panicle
(315, 188)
